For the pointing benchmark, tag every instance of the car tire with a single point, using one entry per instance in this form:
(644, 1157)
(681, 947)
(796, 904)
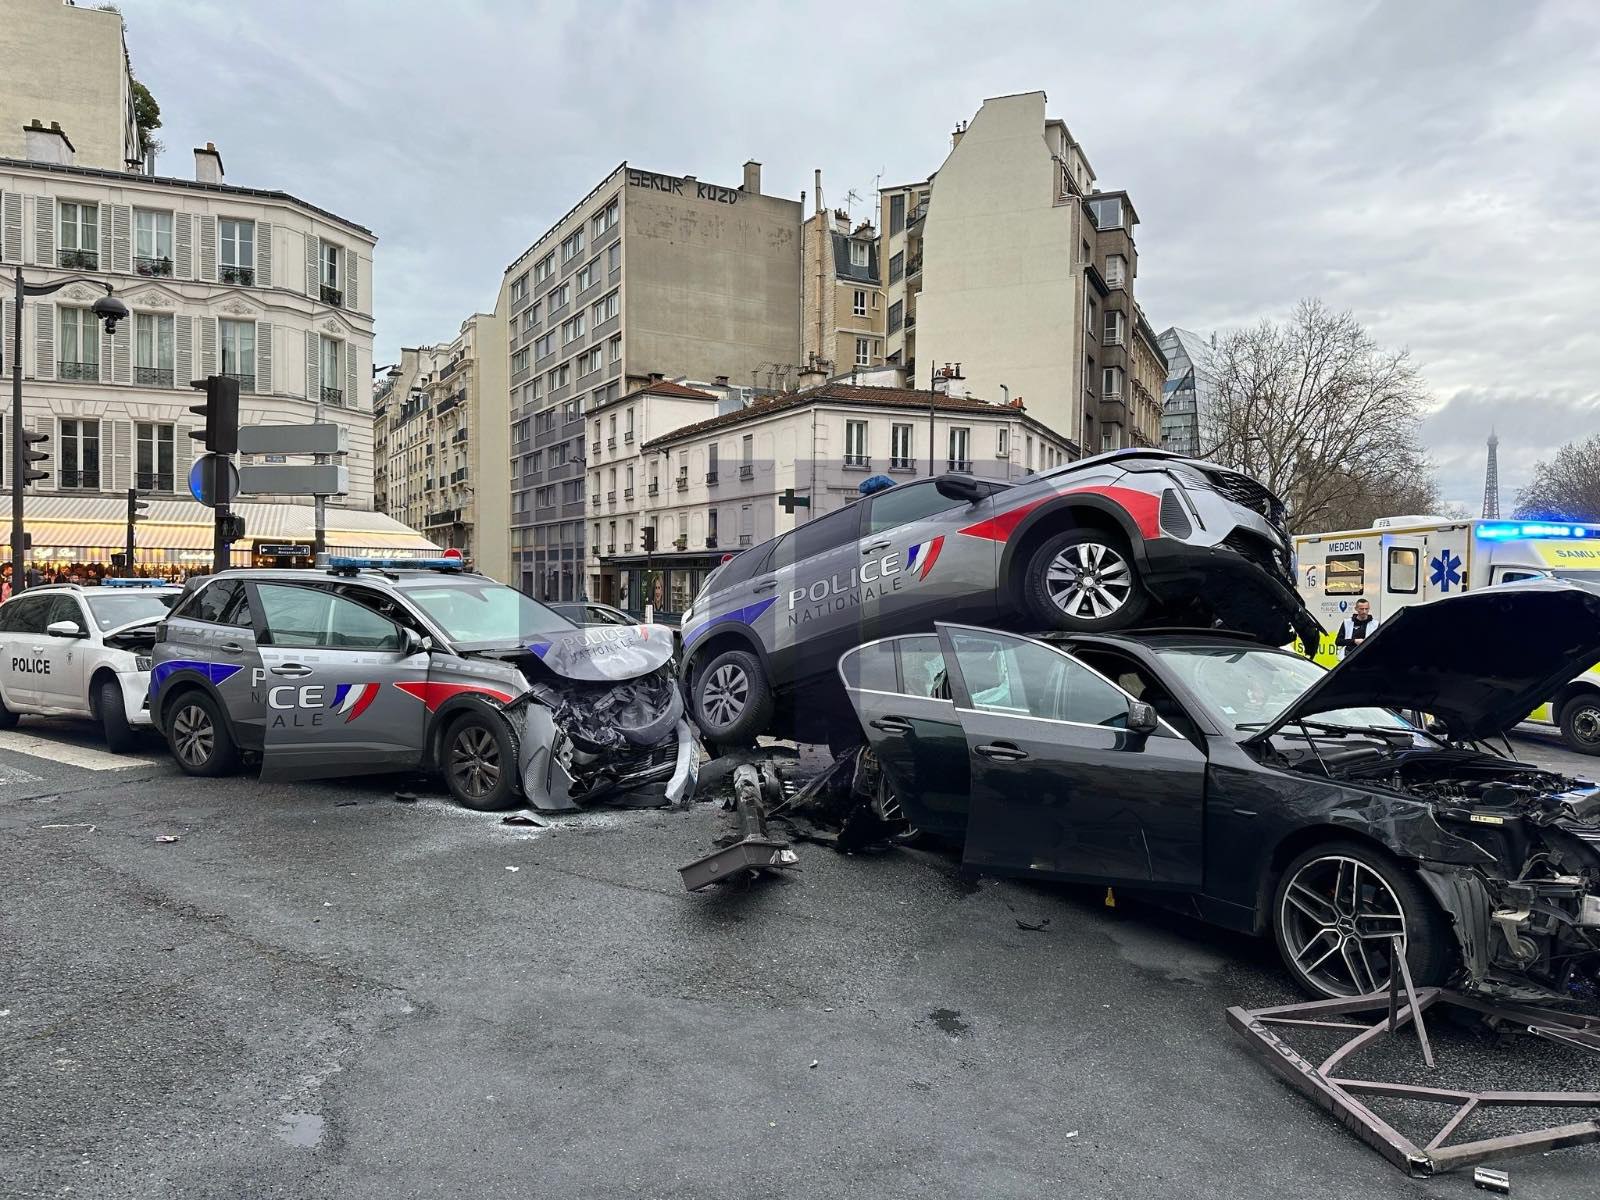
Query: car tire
(479, 762)
(113, 717)
(1083, 581)
(1580, 723)
(1335, 946)
(198, 736)
(732, 700)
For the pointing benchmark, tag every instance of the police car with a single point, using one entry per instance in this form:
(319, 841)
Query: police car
(71, 651)
(375, 665)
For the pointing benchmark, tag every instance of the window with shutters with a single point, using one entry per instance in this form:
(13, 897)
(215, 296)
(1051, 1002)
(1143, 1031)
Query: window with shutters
(239, 352)
(80, 454)
(330, 259)
(238, 264)
(78, 243)
(153, 457)
(152, 350)
(331, 352)
(152, 242)
(78, 345)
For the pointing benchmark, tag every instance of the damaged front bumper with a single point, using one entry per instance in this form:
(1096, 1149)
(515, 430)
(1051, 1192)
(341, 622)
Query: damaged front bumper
(557, 775)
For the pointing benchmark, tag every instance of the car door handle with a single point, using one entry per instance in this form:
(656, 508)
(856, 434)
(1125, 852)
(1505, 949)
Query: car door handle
(38, 649)
(874, 548)
(231, 648)
(291, 669)
(891, 724)
(765, 587)
(1001, 752)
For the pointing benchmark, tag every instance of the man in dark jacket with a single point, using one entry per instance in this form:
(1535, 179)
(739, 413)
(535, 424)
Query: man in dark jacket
(1353, 630)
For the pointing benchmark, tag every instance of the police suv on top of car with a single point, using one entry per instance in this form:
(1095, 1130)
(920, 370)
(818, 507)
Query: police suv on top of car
(379, 665)
(73, 651)
(1095, 545)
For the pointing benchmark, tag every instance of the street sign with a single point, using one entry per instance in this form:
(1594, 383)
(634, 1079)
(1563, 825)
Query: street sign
(200, 476)
(284, 549)
(452, 553)
(309, 479)
(325, 438)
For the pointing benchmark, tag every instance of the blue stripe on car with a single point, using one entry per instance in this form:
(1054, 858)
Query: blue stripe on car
(217, 673)
(747, 615)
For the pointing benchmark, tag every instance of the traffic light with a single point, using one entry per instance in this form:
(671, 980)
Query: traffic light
(136, 507)
(220, 411)
(647, 537)
(30, 474)
(233, 528)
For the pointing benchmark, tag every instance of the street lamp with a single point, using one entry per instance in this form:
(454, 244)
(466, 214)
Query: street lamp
(108, 309)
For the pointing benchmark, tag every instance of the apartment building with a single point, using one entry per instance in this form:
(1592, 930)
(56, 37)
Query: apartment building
(720, 480)
(1147, 376)
(844, 314)
(1012, 262)
(648, 274)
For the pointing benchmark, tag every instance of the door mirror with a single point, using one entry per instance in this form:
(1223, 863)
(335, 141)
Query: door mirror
(960, 487)
(415, 642)
(1142, 717)
(63, 629)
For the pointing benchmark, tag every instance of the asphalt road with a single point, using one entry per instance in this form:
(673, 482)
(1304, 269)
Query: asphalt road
(320, 991)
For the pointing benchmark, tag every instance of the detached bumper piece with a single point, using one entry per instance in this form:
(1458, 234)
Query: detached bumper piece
(1266, 1030)
(754, 851)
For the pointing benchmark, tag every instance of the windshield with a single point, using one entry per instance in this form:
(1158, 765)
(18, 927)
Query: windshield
(485, 613)
(1246, 689)
(112, 609)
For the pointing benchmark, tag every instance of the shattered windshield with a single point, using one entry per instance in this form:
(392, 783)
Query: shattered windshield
(1248, 688)
(113, 609)
(486, 613)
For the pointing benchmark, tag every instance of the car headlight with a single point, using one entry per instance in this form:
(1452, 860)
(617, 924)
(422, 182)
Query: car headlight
(141, 662)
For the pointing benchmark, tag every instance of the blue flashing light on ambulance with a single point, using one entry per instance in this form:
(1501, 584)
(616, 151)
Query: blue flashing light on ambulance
(1408, 560)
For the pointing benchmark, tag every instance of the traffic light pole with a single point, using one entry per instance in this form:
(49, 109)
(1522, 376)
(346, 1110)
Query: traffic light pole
(133, 515)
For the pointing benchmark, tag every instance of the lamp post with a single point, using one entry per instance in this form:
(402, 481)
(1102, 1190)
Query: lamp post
(110, 310)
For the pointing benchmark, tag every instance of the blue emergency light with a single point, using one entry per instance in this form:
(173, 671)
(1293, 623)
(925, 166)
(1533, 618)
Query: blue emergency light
(353, 563)
(134, 583)
(1502, 530)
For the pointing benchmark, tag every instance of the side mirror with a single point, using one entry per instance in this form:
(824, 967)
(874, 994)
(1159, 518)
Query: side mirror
(415, 642)
(1142, 717)
(63, 629)
(959, 487)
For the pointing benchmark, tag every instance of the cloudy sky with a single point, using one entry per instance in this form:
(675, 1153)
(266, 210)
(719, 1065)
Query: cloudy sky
(1430, 164)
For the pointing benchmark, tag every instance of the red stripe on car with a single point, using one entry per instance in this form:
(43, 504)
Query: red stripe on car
(1141, 506)
(435, 694)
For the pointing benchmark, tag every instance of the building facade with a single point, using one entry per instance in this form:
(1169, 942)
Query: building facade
(843, 313)
(1147, 373)
(720, 480)
(902, 211)
(648, 274)
(1183, 394)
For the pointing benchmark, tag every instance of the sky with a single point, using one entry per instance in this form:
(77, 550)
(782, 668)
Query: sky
(1430, 165)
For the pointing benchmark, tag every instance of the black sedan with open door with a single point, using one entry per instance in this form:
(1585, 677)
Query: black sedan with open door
(1248, 786)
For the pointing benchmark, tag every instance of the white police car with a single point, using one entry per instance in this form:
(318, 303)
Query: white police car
(73, 651)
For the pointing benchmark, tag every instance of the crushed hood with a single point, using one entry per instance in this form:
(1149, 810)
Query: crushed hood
(605, 653)
(1480, 661)
(135, 628)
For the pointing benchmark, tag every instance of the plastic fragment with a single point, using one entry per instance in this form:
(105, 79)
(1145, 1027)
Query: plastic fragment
(166, 838)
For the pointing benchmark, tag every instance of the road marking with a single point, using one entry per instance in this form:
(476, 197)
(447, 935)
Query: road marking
(64, 752)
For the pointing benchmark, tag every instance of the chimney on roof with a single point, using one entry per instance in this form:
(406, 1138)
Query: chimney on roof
(51, 145)
(752, 178)
(207, 164)
(955, 135)
(657, 377)
(722, 381)
(813, 374)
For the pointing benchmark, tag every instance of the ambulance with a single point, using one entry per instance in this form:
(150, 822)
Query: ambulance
(1403, 561)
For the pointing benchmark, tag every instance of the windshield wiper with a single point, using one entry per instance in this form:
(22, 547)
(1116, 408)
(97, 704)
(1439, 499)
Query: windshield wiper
(1336, 729)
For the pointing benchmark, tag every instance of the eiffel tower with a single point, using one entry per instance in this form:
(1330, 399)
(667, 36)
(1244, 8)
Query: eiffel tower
(1491, 482)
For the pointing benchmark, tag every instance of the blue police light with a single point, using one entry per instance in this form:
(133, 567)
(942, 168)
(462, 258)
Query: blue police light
(355, 563)
(134, 583)
(1503, 530)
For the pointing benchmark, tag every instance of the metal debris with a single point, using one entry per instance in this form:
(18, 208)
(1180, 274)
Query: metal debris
(1491, 1180)
(166, 838)
(755, 850)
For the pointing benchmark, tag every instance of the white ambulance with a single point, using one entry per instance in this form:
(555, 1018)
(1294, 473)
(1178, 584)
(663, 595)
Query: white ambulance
(1402, 561)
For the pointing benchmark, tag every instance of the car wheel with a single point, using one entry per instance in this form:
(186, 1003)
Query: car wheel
(113, 717)
(732, 698)
(199, 737)
(480, 763)
(1580, 723)
(1336, 911)
(1084, 580)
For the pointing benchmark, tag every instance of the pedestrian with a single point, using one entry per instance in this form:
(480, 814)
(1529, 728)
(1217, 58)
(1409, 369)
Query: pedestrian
(1354, 629)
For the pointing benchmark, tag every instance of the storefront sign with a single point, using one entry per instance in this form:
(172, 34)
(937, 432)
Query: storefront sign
(650, 181)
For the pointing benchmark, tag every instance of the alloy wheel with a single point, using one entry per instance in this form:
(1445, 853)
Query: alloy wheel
(193, 735)
(1338, 918)
(1089, 580)
(475, 762)
(725, 695)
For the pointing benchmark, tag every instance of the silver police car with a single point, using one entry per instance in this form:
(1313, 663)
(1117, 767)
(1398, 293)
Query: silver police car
(394, 665)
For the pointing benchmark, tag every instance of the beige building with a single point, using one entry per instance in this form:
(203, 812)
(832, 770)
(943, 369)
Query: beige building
(843, 311)
(648, 274)
(1149, 376)
(1010, 262)
(67, 66)
(718, 481)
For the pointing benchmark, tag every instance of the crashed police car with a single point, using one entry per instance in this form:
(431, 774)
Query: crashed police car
(1245, 785)
(1104, 543)
(377, 665)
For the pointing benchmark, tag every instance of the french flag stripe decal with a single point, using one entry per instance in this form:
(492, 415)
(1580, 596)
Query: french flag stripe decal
(921, 557)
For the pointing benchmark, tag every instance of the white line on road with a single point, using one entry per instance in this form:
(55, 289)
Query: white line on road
(63, 752)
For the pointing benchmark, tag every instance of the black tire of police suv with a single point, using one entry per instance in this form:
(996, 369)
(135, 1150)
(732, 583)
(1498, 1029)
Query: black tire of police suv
(113, 717)
(224, 756)
(1041, 607)
(484, 738)
(756, 713)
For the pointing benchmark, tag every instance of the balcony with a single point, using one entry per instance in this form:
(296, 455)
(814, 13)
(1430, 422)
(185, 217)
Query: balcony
(445, 516)
(654, 489)
(963, 465)
(711, 479)
(594, 550)
(628, 437)
(916, 214)
(611, 547)
(458, 437)
(594, 447)
(88, 480)
(683, 483)
(153, 376)
(911, 321)
(744, 539)
(611, 497)
(902, 464)
(913, 266)
(332, 295)
(153, 481)
(711, 542)
(153, 268)
(747, 471)
(627, 547)
(83, 372)
(627, 493)
(333, 396)
(611, 443)
(857, 462)
(78, 260)
(681, 543)
(243, 276)
(594, 501)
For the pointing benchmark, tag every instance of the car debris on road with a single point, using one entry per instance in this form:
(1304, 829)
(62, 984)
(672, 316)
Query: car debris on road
(752, 850)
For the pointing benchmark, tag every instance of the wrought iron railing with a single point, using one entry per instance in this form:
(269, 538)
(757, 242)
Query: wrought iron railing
(85, 372)
(153, 268)
(242, 276)
(334, 396)
(332, 295)
(153, 376)
(78, 260)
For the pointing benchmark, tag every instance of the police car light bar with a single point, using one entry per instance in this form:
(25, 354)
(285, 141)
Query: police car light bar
(352, 563)
(1502, 530)
(132, 583)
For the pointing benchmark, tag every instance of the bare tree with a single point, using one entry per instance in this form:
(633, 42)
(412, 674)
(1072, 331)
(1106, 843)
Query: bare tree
(1567, 487)
(1322, 415)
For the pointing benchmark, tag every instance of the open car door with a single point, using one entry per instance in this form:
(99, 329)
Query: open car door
(1061, 786)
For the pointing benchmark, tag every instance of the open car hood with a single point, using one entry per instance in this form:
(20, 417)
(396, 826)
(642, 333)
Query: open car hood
(605, 653)
(144, 623)
(1480, 661)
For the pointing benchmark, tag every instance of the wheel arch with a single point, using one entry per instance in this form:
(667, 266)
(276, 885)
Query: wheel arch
(1571, 691)
(1082, 511)
(733, 637)
(98, 676)
(1295, 843)
(440, 720)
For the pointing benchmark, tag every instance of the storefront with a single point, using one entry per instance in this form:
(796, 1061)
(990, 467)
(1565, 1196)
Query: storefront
(668, 581)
